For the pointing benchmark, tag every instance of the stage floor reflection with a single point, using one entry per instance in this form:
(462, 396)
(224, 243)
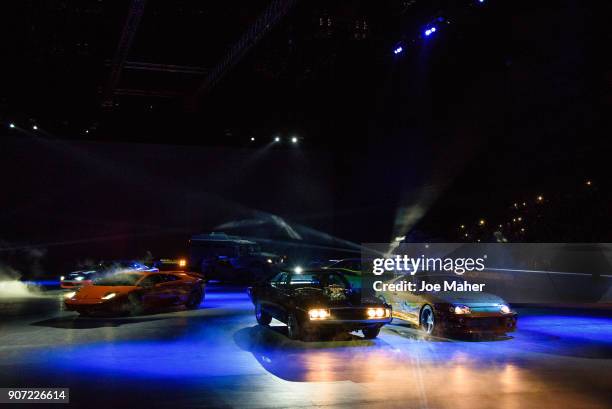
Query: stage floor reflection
(218, 357)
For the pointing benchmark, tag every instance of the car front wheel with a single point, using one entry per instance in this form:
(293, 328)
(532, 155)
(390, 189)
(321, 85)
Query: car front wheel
(370, 333)
(293, 327)
(263, 318)
(134, 304)
(427, 321)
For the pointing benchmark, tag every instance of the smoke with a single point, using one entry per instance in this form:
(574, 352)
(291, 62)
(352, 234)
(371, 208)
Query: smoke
(12, 287)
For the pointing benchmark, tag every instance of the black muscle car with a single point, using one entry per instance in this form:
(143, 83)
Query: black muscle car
(315, 301)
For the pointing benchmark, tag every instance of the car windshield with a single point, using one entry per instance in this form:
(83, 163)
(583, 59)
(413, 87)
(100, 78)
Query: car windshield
(317, 280)
(129, 279)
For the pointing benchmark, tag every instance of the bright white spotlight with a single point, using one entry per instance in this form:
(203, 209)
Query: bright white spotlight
(11, 125)
(430, 31)
(277, 139)
(35, 127)
(294, 140)
(252, 139)
(398, 50)
(298, 270)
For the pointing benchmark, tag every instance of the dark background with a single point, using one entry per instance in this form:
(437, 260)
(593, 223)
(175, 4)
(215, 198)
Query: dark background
(509, 101)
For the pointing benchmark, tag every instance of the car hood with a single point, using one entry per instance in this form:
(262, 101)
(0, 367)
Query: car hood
(311, 297)
(95, 292)
(469, 298)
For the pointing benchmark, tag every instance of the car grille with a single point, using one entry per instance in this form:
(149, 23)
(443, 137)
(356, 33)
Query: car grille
(490, 322)
(349, 313)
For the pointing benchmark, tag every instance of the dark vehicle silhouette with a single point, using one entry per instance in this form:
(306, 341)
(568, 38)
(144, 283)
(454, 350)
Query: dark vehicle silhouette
(218, 256)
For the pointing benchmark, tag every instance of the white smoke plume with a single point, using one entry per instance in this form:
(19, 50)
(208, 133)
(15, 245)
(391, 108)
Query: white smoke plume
(12, 287)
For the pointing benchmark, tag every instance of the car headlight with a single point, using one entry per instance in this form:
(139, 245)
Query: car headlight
(505, 309)
(378, 312)
(318, 314)
(462, 309)
(62, 278)
(109, 296)
(79, 278)
(70, 295)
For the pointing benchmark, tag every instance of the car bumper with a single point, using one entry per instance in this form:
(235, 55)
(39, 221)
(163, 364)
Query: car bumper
(94, 306)
(346, 325)
(499, 324)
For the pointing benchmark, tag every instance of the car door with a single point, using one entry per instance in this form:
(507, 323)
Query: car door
(171, 289)
(407, 303)
(274, 295)
(153, 293)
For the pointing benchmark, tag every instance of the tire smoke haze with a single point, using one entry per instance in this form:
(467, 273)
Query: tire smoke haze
(12, 287)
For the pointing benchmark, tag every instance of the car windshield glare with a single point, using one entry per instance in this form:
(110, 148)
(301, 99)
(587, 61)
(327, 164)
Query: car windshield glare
(127, 279)
(305, 280)
(316, 280)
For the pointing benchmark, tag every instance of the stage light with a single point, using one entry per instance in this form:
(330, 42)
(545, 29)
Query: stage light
(294, 140)
(398, 50)
(540, 198)
(589, 183)
(462, 226)
(11, 125)
(481, 222)
(298, 270)
(277, 139)
(252, 139)
(430, 31)
(35, 127)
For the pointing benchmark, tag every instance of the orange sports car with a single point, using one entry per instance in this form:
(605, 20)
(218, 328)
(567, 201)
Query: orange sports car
(132, 292)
